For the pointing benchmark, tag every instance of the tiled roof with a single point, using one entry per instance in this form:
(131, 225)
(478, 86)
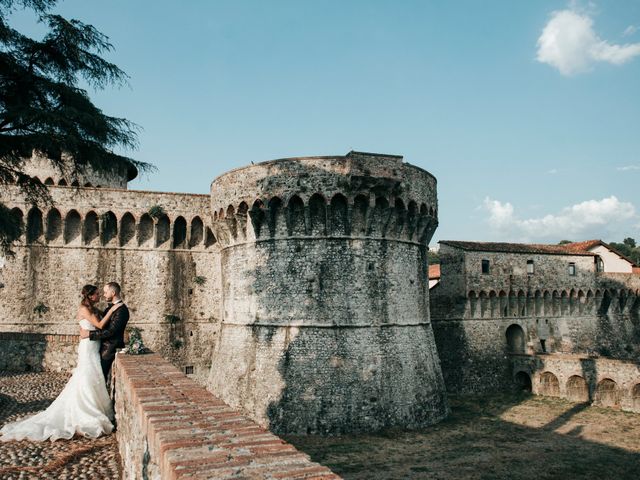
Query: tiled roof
(434, 272)
(589, 244)
(515, 248)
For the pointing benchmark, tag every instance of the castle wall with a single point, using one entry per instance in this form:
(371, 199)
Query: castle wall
(325, 299)
(167, 266)
(479, 319)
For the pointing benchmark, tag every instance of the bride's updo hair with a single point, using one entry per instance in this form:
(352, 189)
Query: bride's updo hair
(87, 291)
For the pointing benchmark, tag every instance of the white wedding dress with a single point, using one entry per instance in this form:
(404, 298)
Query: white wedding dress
(83, 406)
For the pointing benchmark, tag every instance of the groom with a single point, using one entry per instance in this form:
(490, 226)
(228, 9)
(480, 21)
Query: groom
(112, 335)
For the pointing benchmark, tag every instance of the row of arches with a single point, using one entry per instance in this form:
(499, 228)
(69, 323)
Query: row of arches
(553, 303)
(362, 215)
(107, 229)
(607, 393)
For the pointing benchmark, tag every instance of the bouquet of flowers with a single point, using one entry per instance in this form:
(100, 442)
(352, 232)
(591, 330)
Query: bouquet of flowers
(135, 346)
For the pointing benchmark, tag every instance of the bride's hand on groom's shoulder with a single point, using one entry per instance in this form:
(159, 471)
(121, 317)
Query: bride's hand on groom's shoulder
(116, 306)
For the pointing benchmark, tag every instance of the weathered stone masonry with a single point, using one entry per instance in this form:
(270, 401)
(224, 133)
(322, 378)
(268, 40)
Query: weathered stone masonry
(325, 314)
(303, 299)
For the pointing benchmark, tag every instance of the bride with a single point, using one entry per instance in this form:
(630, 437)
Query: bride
(83, 406)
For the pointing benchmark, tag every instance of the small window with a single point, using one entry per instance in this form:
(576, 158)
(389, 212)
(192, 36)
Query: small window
(485, 266)
(572, 269)
(188, 370)
(530, 268)
(599, 264)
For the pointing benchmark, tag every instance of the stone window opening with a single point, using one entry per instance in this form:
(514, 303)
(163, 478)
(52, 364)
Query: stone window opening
(530, 267)
(599, 264)
(572, 269)
(188, 370)
(485, 266)
(515, 339)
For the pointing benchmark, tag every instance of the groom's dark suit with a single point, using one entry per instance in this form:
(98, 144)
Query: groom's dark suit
(112, 337)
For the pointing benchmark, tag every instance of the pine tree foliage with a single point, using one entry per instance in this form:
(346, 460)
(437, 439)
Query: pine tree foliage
(43, 110)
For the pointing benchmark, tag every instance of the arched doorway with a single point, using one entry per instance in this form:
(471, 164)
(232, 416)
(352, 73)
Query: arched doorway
(523, 382)
(549, 385)
(577, 389)
(515, 339)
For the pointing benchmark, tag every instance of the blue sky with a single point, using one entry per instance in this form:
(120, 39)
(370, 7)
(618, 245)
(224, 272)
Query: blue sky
(526, 112)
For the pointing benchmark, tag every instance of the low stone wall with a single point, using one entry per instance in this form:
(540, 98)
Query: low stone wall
(169, 427)
(604, 382)
(36, 352)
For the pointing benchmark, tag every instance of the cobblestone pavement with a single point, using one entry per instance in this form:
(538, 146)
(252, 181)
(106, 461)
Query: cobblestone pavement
(78, 458)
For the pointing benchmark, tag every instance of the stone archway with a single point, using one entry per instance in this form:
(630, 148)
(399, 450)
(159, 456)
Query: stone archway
(515, 339)
(607, 394)
(577, 389)
(523, 382)
(549, 385)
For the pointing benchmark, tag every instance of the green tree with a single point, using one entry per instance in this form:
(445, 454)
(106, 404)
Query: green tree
(44, 110)
(564, 242)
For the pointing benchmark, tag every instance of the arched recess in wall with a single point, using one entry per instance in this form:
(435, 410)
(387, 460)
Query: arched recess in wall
(277, 224)
(163, 230)
(231, 221)
(577, 389)
(75, 183)
(295, 217)
(549, 385)
(62, 182)
(339, 215)
(399, 219)
(521, 308)
(127, 229)
(504, 303)
(493, 304)
(209, 238)
(54, 225)
(88, 185)
(72, 227)
(359, 222)
(522, 381)
(379, 218)
(180, 233)
(145, 231)
(412, 219)
(473, 304)
(515, 339)
(18, 217)
(484, 304)
(537, 302)
(318, 215)
(196, 234)
(34, 225)
(49, 181)
(258, 216)
(90, 229)
(109, 227)
(607, 393)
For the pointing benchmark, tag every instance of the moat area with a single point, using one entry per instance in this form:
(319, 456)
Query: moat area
(498, 437)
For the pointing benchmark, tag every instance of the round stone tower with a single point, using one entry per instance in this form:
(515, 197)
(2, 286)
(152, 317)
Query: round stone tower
(325, 310)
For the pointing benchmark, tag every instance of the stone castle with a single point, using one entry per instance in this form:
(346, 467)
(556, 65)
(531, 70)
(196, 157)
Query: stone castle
(297, 290)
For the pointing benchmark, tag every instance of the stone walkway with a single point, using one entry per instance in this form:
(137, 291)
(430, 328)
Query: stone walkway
(79, 458)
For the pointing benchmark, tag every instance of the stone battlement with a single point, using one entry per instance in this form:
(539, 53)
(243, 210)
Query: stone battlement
(357, 195)
(170, 428)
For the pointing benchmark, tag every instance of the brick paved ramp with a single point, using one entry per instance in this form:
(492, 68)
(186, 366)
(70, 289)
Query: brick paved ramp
(169, 427)
(27, 393)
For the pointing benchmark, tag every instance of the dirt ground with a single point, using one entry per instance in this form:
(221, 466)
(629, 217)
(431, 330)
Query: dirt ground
(495, 437)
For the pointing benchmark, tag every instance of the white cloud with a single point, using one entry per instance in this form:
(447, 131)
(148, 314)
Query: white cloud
(627, 168)
(569, 43)
(589, 219)
(553, 171)
(630, 30)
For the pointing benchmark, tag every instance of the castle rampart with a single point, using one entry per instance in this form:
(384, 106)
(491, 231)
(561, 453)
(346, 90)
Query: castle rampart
(159, 246)
(480, 318)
